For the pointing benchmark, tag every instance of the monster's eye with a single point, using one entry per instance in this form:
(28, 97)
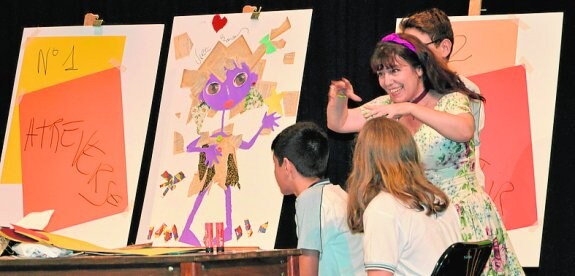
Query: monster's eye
(240, 79)
(213, 88)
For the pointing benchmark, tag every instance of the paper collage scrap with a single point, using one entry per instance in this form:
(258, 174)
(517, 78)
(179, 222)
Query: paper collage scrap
(24, 231)
(24, 235)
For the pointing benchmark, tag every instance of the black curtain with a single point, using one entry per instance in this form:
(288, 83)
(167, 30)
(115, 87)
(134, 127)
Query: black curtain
(343, 34)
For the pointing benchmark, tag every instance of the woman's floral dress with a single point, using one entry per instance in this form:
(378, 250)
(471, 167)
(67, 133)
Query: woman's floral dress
(450, 166)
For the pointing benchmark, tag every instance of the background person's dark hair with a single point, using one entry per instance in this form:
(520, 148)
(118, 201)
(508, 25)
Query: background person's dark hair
(433, 22)
(305, 144)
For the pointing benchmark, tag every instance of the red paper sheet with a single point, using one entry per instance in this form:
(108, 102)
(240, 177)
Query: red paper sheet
(506, 149)
(72, 146)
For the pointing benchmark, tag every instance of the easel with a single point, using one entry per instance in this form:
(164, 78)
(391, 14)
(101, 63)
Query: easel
(474, 7)
(91, 19)
(252, 9)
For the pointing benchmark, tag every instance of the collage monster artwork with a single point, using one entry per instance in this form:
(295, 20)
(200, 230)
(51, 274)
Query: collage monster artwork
(232, 83)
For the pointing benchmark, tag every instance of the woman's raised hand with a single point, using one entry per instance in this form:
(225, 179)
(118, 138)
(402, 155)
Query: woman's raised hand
(342, 89)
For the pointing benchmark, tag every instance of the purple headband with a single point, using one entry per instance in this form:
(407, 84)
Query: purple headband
(393, 37)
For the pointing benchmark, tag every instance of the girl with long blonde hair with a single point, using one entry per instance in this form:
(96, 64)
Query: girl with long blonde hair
(407, 221)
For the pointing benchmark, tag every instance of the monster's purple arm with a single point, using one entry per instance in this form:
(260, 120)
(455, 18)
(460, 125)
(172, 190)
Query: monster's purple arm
(269, 121)
(211, 152)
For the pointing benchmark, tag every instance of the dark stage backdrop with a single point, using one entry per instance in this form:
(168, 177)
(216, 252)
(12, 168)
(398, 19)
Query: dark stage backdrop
(342, 37)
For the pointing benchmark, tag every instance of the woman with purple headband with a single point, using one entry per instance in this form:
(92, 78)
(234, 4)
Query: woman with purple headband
(425, 96)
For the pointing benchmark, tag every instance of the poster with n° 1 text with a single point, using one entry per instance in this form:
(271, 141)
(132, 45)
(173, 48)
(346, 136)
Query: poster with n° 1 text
(77, 127)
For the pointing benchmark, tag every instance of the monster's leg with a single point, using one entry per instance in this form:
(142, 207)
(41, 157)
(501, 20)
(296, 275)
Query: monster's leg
(228, 228)
(187, 235)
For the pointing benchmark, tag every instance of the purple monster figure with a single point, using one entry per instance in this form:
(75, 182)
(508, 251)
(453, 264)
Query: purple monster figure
(222, 144)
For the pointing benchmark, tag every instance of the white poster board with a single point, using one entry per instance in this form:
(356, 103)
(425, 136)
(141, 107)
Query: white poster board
(89, 89)
(496, 44)
(226, 74)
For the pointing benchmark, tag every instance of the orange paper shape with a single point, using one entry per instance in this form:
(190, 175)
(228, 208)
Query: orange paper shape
(12, 235)
(182, 45)
(30, 233)
(72, 147)
(475, 41)
(506, 149)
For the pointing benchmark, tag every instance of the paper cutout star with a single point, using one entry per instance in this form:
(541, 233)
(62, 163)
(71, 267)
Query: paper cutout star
(274, 102)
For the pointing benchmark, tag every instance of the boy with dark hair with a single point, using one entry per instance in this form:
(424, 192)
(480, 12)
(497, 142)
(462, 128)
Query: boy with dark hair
(300, 154)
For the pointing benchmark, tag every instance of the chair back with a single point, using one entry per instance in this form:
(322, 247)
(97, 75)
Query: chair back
(464, 258)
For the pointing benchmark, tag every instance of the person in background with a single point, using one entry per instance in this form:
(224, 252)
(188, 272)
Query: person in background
(434, 29)
(300, 156)
(407, 222)
(434, 104)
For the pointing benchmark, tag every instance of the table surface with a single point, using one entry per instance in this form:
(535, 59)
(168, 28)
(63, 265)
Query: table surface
(78, 260)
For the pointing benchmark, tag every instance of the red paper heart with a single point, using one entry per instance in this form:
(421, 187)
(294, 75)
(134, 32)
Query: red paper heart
(219, 22)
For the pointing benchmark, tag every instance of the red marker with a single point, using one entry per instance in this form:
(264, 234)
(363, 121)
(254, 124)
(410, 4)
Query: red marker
(209, 237)
(219, 236)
